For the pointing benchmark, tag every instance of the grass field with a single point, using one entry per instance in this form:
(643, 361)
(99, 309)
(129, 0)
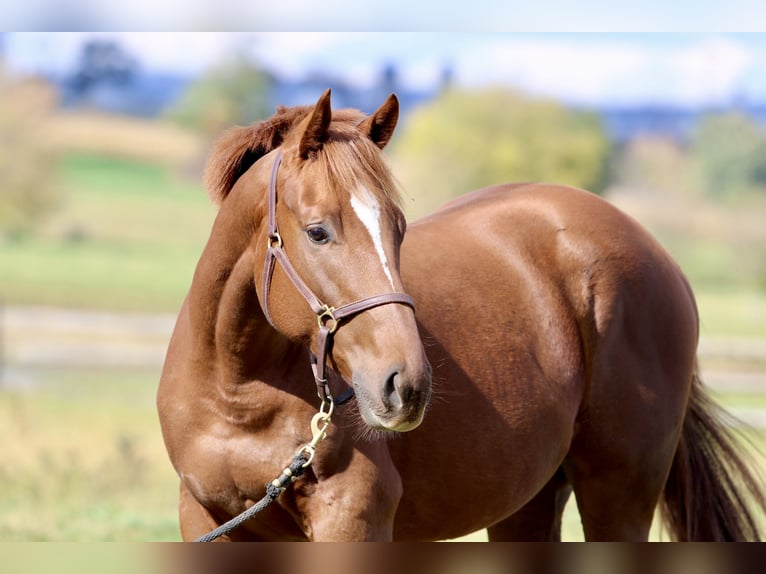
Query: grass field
(127, 237)
(83, 460)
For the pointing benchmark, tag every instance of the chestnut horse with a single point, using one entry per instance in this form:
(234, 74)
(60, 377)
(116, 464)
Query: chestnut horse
(562, 338)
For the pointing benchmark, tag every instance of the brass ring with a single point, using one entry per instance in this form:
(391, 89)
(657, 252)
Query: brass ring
(328, 314)
(272, 239)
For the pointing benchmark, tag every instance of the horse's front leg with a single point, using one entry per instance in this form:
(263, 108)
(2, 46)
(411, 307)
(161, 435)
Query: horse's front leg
(195, 520)
(352, 496)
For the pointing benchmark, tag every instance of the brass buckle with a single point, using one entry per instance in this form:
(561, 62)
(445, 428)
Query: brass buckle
(328, 315)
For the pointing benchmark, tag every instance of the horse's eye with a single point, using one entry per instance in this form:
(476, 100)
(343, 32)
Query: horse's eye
(318, 234)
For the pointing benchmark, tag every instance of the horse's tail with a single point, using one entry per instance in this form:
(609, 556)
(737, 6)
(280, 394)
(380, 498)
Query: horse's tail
(711, 490)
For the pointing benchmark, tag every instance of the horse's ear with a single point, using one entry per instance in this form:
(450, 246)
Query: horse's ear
(315, 134)
(379, 127)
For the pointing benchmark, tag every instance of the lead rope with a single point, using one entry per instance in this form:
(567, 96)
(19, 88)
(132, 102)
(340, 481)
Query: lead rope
(290, 474)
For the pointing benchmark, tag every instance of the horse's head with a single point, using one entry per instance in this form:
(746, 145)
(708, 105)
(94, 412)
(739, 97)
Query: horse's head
(340, 226)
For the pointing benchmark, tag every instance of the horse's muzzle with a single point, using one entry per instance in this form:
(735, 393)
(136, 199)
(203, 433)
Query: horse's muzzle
(400, 402)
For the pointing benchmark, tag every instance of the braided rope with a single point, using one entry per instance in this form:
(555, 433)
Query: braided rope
(273, 490)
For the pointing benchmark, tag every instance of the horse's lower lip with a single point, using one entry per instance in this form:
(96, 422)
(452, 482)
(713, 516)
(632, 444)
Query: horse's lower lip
(405, 426)
(389, 424)
(395, 428)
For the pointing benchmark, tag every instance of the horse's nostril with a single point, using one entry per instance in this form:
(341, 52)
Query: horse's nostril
(399, 392)
(392, 398)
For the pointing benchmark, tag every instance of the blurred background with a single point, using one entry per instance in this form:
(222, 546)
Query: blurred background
(103, 138)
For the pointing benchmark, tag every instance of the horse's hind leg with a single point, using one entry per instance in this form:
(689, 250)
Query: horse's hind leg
(622, 451)
(539, 520)
(616, 503)
(639, 340)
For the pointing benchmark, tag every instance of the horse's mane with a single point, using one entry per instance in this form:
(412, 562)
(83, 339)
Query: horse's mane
(346, 165)
(240, 147)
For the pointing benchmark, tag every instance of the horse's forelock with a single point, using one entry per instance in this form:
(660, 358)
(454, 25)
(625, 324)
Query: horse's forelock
(352, 160)
(354, 163)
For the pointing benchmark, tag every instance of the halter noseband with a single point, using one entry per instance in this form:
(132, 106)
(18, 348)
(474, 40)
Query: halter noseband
(328, 317)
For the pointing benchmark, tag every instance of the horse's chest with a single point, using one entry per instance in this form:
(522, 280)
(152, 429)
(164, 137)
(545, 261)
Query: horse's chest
(226, 467)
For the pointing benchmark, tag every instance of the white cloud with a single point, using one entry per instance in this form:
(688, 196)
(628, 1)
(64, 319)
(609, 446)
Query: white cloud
(185, 52)
(296, 54)
(709, 72)
(579, 71)
(699, 70)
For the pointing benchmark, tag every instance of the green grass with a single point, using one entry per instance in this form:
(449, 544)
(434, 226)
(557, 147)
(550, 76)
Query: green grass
(83, 460)
(737, 399)
(717, 261)
(96, 274)
(736, 312)
(128, 237)
(66, 558)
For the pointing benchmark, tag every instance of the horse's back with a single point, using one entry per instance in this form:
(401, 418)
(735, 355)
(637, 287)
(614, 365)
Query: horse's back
(570, 240)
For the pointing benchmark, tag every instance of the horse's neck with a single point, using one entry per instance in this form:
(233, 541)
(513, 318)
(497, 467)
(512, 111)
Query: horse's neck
(228, 325)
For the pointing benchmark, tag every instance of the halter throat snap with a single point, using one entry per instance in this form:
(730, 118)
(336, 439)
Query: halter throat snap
(328, 318)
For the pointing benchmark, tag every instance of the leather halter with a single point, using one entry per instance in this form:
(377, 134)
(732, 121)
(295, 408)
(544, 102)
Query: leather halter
(328, 318)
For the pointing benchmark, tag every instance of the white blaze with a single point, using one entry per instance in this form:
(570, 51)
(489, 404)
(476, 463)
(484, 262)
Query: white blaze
(367, 210)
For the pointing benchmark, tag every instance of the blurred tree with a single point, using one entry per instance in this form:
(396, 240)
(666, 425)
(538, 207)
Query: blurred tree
(102, 61)
(235, 92)
(465, 140)
(27, 191)
(652, 164)
(730, 155)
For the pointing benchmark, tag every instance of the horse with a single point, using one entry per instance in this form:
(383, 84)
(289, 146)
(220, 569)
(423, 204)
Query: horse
(523, 342)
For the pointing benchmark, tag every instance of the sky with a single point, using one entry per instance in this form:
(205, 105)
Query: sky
(387, 15)
(690, 69)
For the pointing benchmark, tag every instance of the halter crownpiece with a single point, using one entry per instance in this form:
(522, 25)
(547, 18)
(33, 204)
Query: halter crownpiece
(328, 318)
